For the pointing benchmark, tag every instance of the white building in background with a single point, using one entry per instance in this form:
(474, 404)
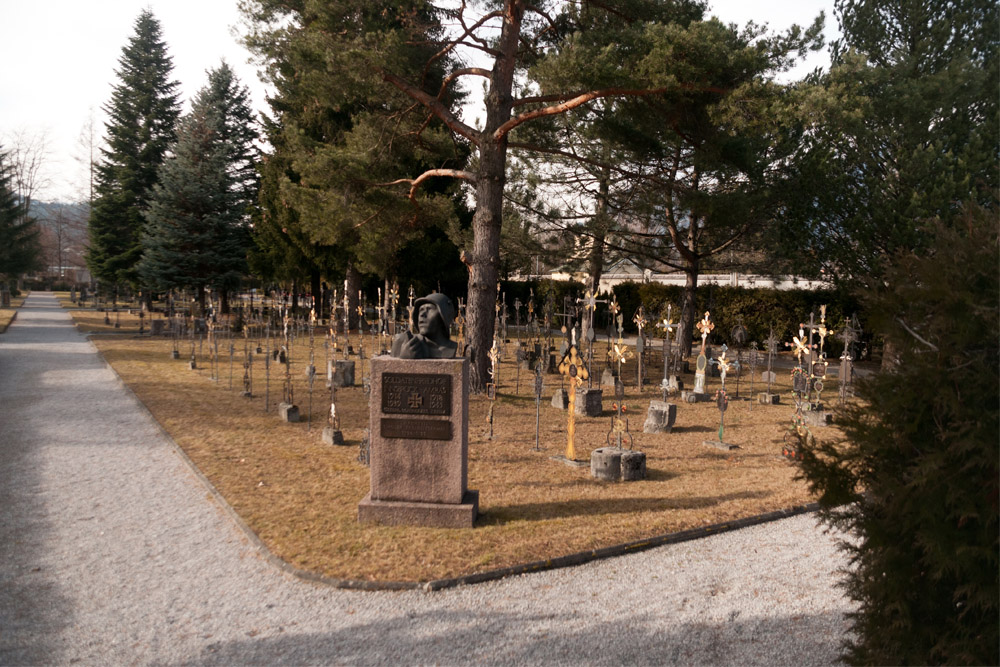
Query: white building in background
(624, 271)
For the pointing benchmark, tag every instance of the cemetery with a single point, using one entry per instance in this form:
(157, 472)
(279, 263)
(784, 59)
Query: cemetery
(699, 296)
(225, 396)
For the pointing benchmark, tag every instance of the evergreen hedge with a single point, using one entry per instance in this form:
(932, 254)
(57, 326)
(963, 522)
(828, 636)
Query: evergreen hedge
(916, 481)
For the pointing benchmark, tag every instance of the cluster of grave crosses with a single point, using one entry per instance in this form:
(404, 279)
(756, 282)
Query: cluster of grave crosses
(270, 334)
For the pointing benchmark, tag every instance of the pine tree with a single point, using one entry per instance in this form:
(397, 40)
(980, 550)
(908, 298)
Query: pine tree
(907, 130)
(19, 248)
(195, 235)
(143, 111)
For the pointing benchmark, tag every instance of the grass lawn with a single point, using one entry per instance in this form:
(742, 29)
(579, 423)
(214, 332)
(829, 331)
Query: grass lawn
(7, 315)
(300, 496)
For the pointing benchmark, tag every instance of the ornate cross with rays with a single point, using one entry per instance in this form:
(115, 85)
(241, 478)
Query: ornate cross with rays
(669, 379)
(705, 326)
(572, 368)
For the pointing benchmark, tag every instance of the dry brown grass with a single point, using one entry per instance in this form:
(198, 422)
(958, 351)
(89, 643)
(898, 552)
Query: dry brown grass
(7, 315)
(301, 496)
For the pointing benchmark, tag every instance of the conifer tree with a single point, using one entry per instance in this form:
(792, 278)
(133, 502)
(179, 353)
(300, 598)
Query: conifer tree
(19, 247)
(196, 234)
(142, 112)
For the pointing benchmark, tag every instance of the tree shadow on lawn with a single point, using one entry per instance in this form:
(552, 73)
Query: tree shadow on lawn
(503, 514)
(697, 428)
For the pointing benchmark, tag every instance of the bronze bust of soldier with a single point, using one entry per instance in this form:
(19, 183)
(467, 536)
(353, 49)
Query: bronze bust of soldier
(432, 318)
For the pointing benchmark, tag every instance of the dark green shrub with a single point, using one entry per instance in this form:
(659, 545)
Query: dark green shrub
(917, 479)
(760, 309)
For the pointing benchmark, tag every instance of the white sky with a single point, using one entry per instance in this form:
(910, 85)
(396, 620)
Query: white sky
(58, 58)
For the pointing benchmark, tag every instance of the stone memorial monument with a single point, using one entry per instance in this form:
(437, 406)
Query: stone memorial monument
(419, 423)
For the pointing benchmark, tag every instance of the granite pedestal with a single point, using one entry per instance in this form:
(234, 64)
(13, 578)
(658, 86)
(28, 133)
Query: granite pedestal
(419, 424)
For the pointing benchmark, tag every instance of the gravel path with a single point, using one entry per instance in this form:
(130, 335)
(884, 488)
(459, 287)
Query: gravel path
(112, 552)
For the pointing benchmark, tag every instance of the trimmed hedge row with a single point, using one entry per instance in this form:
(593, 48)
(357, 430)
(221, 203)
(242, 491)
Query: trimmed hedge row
(761, 309)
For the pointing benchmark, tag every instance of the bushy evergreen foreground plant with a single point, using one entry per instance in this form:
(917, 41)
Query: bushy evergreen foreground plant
(916, 481)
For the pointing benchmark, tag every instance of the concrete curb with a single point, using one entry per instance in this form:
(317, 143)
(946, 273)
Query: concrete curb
(568, 560)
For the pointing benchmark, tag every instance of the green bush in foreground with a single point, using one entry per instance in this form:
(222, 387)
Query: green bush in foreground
(917, 480)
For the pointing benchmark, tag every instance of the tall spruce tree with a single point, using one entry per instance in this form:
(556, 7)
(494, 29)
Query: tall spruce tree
(196, 234)
(142, 113)
(19, 247)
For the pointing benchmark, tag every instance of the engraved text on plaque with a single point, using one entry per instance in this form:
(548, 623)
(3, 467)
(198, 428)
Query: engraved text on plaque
(416, 394)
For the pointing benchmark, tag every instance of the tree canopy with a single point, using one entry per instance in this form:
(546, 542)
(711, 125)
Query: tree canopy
(20, 251)
(196, 233)
(142, 114)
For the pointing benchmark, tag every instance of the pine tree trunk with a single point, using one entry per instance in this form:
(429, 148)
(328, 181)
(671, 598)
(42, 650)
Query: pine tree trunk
(314, 289)
(685, 329)
(352, 285)
(596, 263)
(487, 220)
(201, 301)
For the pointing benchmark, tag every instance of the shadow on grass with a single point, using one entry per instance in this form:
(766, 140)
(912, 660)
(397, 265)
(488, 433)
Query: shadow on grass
(694, 429)
(501, 515)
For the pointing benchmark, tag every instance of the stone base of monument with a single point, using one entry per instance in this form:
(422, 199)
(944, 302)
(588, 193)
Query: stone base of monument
(408, 513)
(175, 354)
(560, 399)
(606, 464)
(817, 417)
(608, 378)
(193, 365)
(246, 394)
(694, 397)
(332, 436)
(718, 444)
(765, 398)
(589, 402)
(288, 412)
(633, 465)
(611, 464)
(418, 453)
(660, 417)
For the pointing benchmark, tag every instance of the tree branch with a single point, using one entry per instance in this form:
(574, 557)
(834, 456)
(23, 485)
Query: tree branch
(573, 100)
(415, 183)
(434, 105)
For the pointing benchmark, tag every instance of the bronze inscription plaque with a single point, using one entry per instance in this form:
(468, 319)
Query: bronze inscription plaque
(415, 429)
(416, 394)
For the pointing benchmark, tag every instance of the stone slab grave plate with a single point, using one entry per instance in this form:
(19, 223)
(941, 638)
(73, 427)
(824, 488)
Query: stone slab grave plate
(718, 444)
(688, 396)
(419, 424)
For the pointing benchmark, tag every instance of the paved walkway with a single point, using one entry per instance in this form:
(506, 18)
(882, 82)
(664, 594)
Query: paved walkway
(112, 552)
